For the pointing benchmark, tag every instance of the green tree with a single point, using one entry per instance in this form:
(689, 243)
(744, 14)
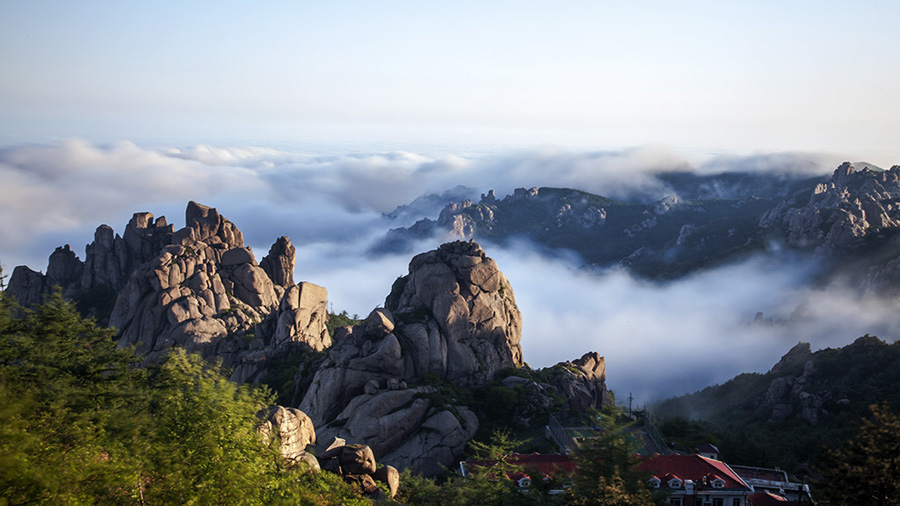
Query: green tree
(606, 472)
(204, 448)
(865, 470)
(81, 423)
(71, 404)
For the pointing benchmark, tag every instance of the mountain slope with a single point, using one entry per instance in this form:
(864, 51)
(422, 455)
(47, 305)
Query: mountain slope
(807, 401)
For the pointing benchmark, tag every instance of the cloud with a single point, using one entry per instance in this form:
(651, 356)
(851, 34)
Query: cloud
(659, 339)
(680, 336)
(775, 164)
(625, 174)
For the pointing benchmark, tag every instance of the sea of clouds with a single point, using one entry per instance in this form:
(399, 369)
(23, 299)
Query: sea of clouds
(658, 339)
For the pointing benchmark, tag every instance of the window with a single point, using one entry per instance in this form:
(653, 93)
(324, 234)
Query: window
(718, 501)
(674, 501)
(736, 501)
(718, 483)
(654, 482)
(674, 483)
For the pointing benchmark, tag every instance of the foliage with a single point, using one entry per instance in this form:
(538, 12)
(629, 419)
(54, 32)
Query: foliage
(606, 472)
(284, 367)
(735, 416)
(485, 484)
(864, 471)
(205, 447)
(605, 475)
(69, 408)
(80, 423)
(341, 319)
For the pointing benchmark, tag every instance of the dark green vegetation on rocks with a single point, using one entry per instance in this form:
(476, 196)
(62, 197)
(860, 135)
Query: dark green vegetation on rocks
(808, 402)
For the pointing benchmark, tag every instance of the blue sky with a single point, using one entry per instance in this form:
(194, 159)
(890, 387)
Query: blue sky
(744, 76)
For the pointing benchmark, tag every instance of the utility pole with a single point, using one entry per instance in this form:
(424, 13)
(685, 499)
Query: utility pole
(630, 398)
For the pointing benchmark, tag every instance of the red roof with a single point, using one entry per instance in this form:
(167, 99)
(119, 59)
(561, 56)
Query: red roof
(547, 465)
(692, 467)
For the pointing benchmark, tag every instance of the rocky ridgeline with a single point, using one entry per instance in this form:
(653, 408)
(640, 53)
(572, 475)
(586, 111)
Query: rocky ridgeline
(840, 211)
(197, 288)
(110, 261)
(450, 323)
(850, 218)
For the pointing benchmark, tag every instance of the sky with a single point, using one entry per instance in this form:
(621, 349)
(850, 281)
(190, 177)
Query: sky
(311, 119)
(744, 76)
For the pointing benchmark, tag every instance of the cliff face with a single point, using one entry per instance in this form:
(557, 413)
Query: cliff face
(453, 318)
(109, 262)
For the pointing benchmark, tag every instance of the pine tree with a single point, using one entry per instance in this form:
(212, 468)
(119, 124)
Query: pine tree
(606, 473)
(866, 470)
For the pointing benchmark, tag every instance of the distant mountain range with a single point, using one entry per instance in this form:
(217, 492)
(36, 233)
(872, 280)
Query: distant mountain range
(850, 219)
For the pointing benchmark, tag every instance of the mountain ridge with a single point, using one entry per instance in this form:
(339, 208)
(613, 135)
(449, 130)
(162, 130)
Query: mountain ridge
(850, 220)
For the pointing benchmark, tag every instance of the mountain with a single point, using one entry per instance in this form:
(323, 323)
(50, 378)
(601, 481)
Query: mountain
(807, 401)
(414, 381)
(850, 219)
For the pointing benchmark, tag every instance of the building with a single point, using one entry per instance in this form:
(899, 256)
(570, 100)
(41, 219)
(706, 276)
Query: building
(528, 467)
(694, 480)
(774, 485)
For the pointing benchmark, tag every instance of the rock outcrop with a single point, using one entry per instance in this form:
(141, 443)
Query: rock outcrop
(109, 263)
(583, 385)
(841, 211)
(205, 292)
(391, 384)
(453, 318)
(295, 436)
(293, 431)
(198, 287)
(794, 392)
(356, 464)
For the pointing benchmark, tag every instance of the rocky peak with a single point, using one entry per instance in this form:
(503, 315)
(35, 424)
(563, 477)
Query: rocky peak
(109, 262)
(842, 211)
(583, 384)
(665, 204)
(489, 198)
(64, 267)
(464, 294)
(198, 288)
(592, 366)
(452, 317)
(204, 224)
(798, 355)
(279, 263)
(522, 193)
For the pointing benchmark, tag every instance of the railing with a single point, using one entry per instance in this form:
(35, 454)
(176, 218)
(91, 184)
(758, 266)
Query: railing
(655, 436)
(559, 433)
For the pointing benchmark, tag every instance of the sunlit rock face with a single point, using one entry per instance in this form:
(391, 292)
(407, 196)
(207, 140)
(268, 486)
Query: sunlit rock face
(454, 318)
(207, 293)
(841, 210)
(198, 288)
